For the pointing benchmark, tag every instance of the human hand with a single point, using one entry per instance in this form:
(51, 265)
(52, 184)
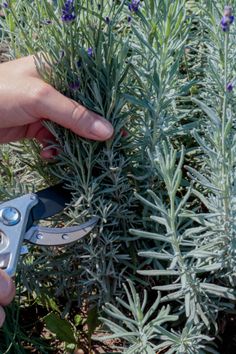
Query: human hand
(7, 292)
(26, 100)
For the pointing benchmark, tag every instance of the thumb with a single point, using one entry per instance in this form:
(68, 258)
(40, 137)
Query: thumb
(54, 106)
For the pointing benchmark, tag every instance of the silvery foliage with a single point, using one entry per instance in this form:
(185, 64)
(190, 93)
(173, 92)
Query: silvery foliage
(143, 329)
(138, 328)
(176, 233)
(180, 259)
(217, 142)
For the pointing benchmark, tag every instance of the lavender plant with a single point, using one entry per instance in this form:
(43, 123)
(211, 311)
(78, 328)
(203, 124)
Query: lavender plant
(139, 329)
(163, 73)
(183, 260)
(218, 144)
(142, 333)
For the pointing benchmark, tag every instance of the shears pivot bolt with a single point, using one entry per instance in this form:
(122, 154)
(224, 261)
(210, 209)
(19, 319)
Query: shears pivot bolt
(10, 216)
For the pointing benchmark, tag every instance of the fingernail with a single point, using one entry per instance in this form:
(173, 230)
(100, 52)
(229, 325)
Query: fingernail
(101, 129)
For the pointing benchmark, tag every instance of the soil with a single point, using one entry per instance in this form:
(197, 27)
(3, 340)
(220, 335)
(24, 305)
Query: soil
(227, 341)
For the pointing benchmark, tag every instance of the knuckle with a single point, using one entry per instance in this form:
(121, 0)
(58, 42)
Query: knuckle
(79, 118)
(39, 93)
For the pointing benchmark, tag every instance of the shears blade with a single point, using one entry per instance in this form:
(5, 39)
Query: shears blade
(51, 201)
(17, 218)
(55, 236)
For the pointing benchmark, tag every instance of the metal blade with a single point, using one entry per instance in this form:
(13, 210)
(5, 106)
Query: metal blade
(46, 236)
(51, 201)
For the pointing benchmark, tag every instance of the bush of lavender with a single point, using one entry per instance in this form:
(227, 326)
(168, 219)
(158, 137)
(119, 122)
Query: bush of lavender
(158, 274)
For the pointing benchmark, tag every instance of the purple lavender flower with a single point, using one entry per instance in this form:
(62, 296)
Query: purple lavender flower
(68, 11)
(107, 20)
(230, 87)
(227, 19)
(90, 52)
(75, 85)
(129, 19)
(226, 22)
(5, 4)
(134, 5)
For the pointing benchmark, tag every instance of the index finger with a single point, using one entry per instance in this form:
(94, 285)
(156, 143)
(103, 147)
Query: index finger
(51, 104)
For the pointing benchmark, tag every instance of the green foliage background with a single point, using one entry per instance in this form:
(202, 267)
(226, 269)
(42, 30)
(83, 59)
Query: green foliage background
(163, 186)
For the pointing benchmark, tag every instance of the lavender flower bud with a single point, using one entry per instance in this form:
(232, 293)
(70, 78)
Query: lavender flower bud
(134, 5)
(68, 11)
(75, 85)
(227, 19)
(230, 87)
(90, 52)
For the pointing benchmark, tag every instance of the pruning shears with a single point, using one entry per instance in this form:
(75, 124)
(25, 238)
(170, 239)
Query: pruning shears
(17, 224)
